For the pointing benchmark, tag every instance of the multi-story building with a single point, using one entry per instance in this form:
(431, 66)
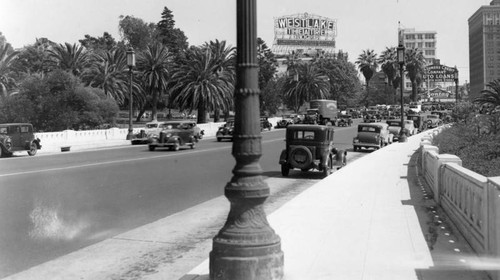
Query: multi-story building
(484, 47)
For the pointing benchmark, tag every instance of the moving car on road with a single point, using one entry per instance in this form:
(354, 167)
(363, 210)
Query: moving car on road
(372, 135)
(149, 129)
(18, 137)
(174, 135)
(226, 131)
(433, 121)
(310, 147)
(395, 128)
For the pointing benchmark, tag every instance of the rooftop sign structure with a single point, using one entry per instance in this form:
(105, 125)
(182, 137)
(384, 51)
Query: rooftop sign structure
(439, 73)
(303, 33)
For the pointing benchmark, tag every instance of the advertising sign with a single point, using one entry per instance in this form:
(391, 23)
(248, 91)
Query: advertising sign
(306, 30)
(440, 73)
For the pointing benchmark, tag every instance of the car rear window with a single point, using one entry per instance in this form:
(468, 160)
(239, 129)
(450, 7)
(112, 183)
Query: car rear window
(368, 129)
(303, 134)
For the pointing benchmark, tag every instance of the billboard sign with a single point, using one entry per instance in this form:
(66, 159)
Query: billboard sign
(439, 73)
(305, 30)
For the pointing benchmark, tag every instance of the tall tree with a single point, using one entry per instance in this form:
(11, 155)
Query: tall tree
(205, 79)
(154, 65)
(389, 65)
(415, 68)
(167, 34)
(104, 43)
(7, 56)
(367, 64)
(136, 33)
(71, 58)
(312, 83)
(490, 96)
(33, 59)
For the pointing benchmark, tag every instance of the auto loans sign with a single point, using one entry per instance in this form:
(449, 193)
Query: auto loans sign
(440, 73)
(305, 29)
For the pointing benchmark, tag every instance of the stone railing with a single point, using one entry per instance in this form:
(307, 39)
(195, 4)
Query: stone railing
(70, 139)
(472, 201)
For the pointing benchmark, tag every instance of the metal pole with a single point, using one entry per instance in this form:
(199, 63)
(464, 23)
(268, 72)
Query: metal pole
(130, 134)
(246, 248)
(402, 135)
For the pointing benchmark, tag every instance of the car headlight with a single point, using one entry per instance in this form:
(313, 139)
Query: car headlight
(355, 140)
(168, 135)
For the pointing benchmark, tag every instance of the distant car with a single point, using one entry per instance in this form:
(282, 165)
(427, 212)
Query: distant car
(225, 131)
(420, 121)
(310, 147)
(149, 129)
(344, 120)
(265, 124)
(174, 135)
(372, 135)
(285, 121)
(433, 121)
(18, 137)
(395, 128)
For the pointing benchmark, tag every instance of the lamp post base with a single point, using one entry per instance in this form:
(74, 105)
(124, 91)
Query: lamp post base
(403, 138)
(130, 135)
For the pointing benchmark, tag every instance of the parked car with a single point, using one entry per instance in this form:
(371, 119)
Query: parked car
(395, 128)
(433, 121)
(18, 137)
(344, 120)
(420, 121)
(285, 121)
(225, 131)
(174, 135)
(265, 124)
(310, 147)
(372, 135)
(198, 132)
(149, 129)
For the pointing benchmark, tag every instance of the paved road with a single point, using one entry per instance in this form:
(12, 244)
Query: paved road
(54, 204)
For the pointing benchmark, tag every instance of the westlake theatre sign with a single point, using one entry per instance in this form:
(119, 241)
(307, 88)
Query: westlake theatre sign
(440, 73)
(304, 31)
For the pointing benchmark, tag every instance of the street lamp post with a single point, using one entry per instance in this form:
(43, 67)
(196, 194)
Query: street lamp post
(246, 247)
(456, 85)
(401, 61)
(131, 64)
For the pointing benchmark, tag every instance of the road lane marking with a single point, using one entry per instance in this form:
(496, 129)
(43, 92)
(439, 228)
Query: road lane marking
(122, 161)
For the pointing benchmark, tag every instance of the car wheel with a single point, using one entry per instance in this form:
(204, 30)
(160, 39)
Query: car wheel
(327, 170)
(151, 147)
(193, 146)
(219, 139)
(285, 170)
(33, 149)
(176, 146)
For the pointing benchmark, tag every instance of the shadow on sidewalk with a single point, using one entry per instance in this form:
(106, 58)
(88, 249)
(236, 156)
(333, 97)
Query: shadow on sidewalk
(452, 256)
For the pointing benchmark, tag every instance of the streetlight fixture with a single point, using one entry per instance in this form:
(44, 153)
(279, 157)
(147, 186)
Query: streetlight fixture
(401, 62)
(246, 247)
(456, 85)
(131, 64)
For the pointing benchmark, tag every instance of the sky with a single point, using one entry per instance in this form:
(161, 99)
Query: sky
(361, 24)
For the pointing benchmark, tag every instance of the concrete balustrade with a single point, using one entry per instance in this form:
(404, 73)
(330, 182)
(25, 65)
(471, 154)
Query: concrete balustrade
(472, 201)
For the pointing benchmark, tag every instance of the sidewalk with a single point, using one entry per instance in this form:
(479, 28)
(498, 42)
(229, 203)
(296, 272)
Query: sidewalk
(373, 219)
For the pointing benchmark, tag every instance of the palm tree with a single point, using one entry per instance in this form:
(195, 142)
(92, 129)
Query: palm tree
(312, 83)
(153, 63)
(204, 80)
(7, 56)
(415, 67)
(367, 64)
(108, 72)
(490, 97)
(71, 58)
(389, 65)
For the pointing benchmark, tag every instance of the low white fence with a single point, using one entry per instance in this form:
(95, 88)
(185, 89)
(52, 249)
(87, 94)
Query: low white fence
(472, 201)
(56, 141)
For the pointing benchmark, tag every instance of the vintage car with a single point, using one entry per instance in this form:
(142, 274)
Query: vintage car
(285, 121)
(395, 128)
(149, 129)
(420, 121)
(311, 147)
(433, 121)
(174, 135)
(372, 135)
(18, 137)
(225, 131)
(265, 124)
(344, 120)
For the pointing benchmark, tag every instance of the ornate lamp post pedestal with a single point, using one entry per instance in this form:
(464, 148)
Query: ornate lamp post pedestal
(246, 248)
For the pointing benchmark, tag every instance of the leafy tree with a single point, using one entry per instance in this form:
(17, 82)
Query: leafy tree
(167, 34)
(490, 97)
(33, 59)
(267, 71)
(153, 64)
(367, 64)
(312, 83)
(415, 67)
(104, 43)
(136, 32)
(389, 65)
(71, 58)
(271, 97)
(205, 79)
(7, 82)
